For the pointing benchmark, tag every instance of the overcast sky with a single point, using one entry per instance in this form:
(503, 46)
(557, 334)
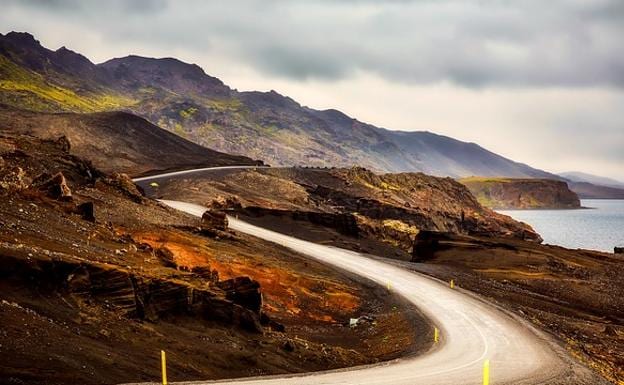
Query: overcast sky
(541, 82)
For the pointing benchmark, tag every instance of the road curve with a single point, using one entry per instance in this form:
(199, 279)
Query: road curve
(192, 171)
(471, 330)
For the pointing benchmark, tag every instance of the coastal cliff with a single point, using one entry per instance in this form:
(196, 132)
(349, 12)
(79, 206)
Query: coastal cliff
(511, 193)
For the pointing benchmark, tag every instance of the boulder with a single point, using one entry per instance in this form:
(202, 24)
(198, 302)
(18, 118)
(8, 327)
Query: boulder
(87, 211)
(166, 257)
(618, 250)
(425, 245)
(125, 184)
(243, 291)
(289, 346)
(225, 203)
(206, 273)
(273, 325)
(55, 187)
(214, 219)
(63, 144)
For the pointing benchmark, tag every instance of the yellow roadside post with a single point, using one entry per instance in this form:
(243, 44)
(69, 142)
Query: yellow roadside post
(486, 372)
(452, 283)
(389, 285)
(436, 335)
(163, 360)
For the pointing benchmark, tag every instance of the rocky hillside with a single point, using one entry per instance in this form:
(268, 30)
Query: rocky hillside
(182, 98)
(509, 193)
(96, 279)
(391, 208)
(116, 141)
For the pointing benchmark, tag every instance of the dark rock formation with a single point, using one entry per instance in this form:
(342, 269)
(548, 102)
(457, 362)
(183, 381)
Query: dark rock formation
(272, 324)
(428, 243)
(214, 220)
(425, 245)
(345, 223)
(137, 296)
(243, 291)
(87, 211)
(206, 273)
(55, 186)
(618, 250)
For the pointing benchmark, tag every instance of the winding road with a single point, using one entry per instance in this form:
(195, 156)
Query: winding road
(471, 330)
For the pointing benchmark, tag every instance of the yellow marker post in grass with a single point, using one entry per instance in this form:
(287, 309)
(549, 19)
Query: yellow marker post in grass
(436, 335)
(389, 286)
(452, 283)
(486, 372)
(163, 360)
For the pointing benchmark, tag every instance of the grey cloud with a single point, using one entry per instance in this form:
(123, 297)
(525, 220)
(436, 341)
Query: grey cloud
(470, 43)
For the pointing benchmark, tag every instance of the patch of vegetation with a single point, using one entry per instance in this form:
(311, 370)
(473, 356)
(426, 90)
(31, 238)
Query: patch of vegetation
(188, 113)
(31, 89)
(400, 226)
(225, 105)
(485, 179)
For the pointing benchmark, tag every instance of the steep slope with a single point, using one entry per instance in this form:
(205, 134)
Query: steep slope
(116, 141)
(263, 125)
(514, 193)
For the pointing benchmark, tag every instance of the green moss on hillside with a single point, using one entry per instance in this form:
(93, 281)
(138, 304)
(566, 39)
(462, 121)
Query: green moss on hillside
(25, 88)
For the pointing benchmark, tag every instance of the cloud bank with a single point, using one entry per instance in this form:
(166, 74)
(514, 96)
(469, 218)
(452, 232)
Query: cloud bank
(484, 54)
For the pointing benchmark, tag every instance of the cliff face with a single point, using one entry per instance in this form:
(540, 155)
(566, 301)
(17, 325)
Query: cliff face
(510, 193)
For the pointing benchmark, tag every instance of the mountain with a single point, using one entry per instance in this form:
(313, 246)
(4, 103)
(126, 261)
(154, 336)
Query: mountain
(577, 176)
(116, 141)
(182, 98)
(591, 191)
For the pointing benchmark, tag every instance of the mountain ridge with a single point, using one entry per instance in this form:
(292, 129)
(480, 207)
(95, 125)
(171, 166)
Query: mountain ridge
(182, 98)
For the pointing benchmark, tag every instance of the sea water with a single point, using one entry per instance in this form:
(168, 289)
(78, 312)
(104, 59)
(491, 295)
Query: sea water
(599, 227)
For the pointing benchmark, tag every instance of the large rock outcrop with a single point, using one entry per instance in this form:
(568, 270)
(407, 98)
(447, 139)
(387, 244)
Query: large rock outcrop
(510, 193)
(135, 295)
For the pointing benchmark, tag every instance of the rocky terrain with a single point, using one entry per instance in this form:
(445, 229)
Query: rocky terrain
(391, 208)
(182, 98)
(574, 294)
(510, 193)
(96, 279)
